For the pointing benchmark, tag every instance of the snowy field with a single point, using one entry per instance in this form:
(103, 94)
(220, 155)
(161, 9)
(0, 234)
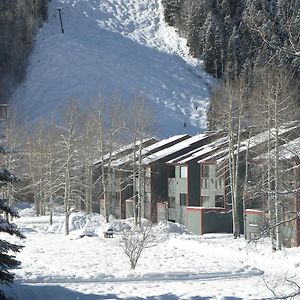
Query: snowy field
(115, 48)
(180, 266)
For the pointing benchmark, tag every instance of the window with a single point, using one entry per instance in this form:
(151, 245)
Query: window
(219, 201)
(148, 172)
(205, 171)
(171, 202)
(183, 199)
(219, 183)
(205, 183)
(171, 171)
(183, 172)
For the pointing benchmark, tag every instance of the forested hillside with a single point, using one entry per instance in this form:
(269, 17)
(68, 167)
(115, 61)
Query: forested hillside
(236, 37)
(19, 20)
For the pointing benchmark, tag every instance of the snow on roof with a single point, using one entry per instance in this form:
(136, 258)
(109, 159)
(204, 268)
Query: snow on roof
(149, 149)
(214, 156)
(260, 138)
(288, 150)
(125, 148)
(177, 160)
(263, 137)
(197, 153)
(175, 148)
(166, 141)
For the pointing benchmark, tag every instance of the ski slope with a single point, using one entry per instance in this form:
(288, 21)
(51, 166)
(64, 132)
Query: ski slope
(115, 48)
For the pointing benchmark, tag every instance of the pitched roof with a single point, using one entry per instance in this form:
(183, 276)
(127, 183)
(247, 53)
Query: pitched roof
(192, 141)
(169, 142)
(287, 151)
(200, 152)
(251, 142)
(127, 148)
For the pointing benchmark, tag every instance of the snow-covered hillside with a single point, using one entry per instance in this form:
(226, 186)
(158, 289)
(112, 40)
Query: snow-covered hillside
(115, 48)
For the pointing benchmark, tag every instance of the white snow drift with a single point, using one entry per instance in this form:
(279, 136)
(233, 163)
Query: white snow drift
(180, 266)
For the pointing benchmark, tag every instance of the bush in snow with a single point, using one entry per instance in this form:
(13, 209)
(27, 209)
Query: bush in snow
(135, 240)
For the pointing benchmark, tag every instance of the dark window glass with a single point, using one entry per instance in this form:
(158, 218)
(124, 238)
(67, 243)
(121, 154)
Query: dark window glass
(171, 171)
(205, 171)
(183, 199)
(219, 201)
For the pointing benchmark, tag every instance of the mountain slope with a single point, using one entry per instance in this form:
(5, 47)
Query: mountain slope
(115, 48)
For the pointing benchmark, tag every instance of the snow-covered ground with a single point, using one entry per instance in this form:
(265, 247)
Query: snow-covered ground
(180, 266)
(115, 48)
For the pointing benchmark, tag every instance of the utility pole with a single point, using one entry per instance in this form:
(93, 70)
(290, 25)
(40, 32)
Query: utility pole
(60, 18)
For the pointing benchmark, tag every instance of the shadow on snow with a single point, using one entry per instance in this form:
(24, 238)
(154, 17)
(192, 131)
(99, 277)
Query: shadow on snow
(55, 292)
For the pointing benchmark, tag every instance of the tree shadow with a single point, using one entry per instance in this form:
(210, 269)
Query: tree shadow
(56, 292)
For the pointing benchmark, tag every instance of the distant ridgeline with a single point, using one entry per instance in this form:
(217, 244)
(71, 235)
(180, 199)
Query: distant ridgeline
(222, 33)
(19, 21)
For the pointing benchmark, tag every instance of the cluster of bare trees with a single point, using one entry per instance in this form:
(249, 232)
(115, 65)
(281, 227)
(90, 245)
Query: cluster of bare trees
(288, 40)
(56, 159)
(257, 175)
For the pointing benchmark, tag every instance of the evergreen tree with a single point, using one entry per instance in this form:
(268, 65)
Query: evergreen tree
(233, 54)
(172, 11)
(238, 30)
(212, 52)
(196, 34)
(7, 260)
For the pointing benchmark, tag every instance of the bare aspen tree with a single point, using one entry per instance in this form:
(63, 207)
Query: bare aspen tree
(32, 174)
(230, 108)
(51, 179)
(68, 152)
(52, 174)
(33, 171)
(43, 153)
(245, 187)
(87, 150)
(101, 150)
(109, 128)
(41, 168)
(141, 128)
(289, 15)
(279, 96)
(115, 129)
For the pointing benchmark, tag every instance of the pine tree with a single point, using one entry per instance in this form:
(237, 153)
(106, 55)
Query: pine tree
(7, 260)
(233, 54)
(172, 12)
(212, 52)
(196, 34)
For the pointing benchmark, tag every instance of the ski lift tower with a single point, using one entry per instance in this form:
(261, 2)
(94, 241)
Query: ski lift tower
(60, 12)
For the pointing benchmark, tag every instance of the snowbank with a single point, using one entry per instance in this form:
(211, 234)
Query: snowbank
(179, 266)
